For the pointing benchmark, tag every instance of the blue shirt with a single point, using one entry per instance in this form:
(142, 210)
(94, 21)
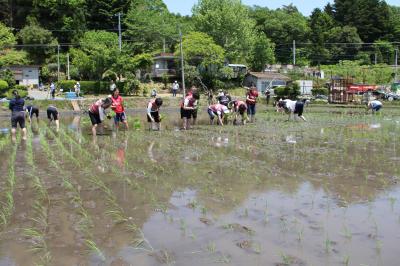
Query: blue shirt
(17, 105)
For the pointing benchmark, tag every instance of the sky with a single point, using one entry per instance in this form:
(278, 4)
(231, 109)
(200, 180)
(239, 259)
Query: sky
(184, 7)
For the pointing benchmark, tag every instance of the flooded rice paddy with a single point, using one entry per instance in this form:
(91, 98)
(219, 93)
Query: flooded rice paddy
(325, 192)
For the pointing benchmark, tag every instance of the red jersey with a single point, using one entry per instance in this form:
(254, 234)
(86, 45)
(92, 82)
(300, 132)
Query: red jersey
(189, 101)
(117, 104)
(252, 97)
(94, 108)
(217, 108)
(152, 106)
(239, 103)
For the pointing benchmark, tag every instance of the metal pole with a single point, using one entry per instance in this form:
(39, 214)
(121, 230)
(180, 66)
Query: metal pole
(68, 77)
(119, 32)
(395, 64)
(294, 52)
(58, 63)
(182, 64)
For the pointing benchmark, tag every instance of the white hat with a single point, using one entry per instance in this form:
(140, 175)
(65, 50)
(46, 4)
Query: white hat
(225, 109)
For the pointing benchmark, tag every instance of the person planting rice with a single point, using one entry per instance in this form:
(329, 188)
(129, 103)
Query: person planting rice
(292, 107)
(16, 106)
(30, 111)
(218, 110)
(118, 107)
(52, 114)
(97, 112)
(374, 105)
(189, 109)
(153, 115)
(251, 101)
(224, 99)
(240, 108)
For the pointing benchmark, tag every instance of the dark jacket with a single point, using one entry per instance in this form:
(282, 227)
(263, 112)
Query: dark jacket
(17, 105)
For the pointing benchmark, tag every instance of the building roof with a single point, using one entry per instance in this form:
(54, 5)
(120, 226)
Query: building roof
(269, 75)
(35, 66)
(165, 56)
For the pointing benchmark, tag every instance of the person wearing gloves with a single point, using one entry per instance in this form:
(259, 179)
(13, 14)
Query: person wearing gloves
(97, 112)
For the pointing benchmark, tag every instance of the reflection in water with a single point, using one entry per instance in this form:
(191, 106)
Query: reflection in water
(150, 152)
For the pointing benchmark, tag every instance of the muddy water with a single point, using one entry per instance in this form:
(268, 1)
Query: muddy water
(325, 192)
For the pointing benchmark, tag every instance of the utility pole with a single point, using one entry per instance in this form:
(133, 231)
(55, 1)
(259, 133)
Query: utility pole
(182, 64)
(68, 77)
(119, 31)
(395, 64)
(294, 52)
(376, 58)
(58, 63)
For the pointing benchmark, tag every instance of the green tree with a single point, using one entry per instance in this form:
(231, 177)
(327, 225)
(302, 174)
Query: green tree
(263, 52)
(320, 24)
(385, 52)
(394, 21)
(9, 56)
(42, 41)
(345, 43)
(282, 26)
(98, 53)
(228, 23)
(148, 24)
(200, 49)
(369, 17)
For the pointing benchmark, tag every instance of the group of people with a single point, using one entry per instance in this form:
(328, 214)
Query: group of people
(19, 113)
(224, 108)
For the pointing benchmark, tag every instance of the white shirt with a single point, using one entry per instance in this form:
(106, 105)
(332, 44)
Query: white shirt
(175, 86)
(291, 105)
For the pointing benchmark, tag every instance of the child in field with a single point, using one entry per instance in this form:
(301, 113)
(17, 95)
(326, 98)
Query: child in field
(218, 110)
(153, 115)
(240, 108)
(118, 107)
(52, 114)
(30, 111)
(251, 101)
(292, 107)
(189, 109)
(374, 105)
(97, 112)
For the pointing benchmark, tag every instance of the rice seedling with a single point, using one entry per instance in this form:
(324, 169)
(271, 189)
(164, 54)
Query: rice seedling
(346, 260)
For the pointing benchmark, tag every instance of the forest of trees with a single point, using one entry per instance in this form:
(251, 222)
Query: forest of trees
(219, 31)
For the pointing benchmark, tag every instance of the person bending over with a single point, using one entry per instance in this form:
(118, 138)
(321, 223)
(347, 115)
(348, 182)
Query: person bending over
(52, 114)
(374, 105)
(30, 111)
(97, 112)
(217, 110)
(189, 106)
(292, 107)
(153, 114)
(240, 109)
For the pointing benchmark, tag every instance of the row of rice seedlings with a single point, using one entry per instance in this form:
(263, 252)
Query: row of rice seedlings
(85, 223)
(40, 208)
(7, 203)
(4, 142)
(114, 211)
(87, 155)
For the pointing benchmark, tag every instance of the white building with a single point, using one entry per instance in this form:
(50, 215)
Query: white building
(305, 86)
(25, 75)
(265, 80)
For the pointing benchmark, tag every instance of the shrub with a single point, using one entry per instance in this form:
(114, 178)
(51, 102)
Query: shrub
(66, 84)
(22, 93)
(320, 91)
(291, 91)
(20, 88)
(3, 87)
(95, 87)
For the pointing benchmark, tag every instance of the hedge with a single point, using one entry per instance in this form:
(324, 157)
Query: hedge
(3, 87)
(22, 93)
(87, 86)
